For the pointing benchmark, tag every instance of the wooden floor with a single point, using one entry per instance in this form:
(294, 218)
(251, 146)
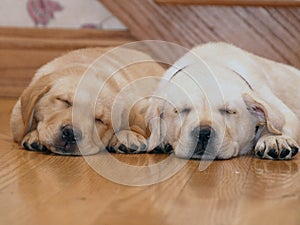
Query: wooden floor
(47, 189)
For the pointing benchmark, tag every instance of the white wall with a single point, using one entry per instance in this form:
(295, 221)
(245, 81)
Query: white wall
(73, 14)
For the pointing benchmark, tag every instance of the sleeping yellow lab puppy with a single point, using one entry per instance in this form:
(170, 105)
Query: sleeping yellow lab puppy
(219, 101)
(48, 118)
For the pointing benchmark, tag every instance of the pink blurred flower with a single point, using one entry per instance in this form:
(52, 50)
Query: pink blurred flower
(89, 26)
(41, 11)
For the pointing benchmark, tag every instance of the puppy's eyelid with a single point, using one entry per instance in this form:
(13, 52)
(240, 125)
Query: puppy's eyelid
(185, 110)
(98, 120)
(228, 111)
(67, 102)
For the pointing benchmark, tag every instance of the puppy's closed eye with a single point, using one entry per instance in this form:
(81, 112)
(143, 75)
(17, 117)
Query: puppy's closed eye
(183, 111)
(99, 121)
(227, 111)
(65, 101)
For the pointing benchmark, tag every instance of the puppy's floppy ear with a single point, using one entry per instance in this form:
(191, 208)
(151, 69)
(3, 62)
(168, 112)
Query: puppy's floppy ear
(29, 98)
(154, 120)
(270, 116)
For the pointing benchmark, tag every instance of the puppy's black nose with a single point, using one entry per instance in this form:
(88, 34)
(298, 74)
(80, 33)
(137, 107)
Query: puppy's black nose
(203, 134)
(69, 136)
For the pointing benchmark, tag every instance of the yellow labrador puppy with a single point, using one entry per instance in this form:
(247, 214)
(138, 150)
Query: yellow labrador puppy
(219, 101)
(85, 101)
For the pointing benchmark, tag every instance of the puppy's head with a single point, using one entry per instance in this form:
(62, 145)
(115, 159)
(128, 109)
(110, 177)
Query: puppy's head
(209, 117)
(47, 106)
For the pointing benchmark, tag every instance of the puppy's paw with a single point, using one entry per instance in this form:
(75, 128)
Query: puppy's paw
(31, 142)
(127, 141)
(276, 147)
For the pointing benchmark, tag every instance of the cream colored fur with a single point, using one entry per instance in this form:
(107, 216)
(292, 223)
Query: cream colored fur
(108, 79)
(249, 102)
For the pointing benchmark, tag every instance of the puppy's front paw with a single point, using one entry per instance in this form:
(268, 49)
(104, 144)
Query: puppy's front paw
(127, 141)
(31, 142)
(276, 147)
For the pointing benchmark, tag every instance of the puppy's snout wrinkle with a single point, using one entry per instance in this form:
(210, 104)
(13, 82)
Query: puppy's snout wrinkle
(203, 135)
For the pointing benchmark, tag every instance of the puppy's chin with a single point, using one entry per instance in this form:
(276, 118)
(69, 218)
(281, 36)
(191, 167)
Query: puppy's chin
(228, 151)
(190, 151)
(207, 156)
(74, 151)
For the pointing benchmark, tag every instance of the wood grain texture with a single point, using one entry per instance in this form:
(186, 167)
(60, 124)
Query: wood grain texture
(272, 32)
(233, 2)
(22, 51)
(48, 189)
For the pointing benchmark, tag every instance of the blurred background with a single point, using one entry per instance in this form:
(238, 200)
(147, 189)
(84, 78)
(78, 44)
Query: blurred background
(57, 14)
(269, 28)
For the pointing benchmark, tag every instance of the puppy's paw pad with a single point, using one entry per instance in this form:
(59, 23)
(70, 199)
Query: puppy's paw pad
(31, 142)
(167, 149)
(35, 145)
(26, 145)
(276, 147)
(127, 142)
(294, 151)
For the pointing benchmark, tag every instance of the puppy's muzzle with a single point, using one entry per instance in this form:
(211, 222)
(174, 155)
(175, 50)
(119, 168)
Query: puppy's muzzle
(202, 136)
(67, 142)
